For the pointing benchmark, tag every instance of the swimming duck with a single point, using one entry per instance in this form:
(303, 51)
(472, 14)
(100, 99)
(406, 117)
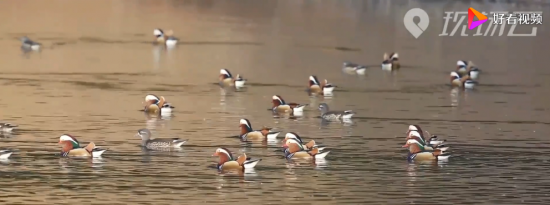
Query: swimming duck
(7, 127)
(156, 105)
(166, 38)
(310, 145)
(71, 148)
(147, 142)
(349, 67)
(226, 79)
(324, 88)
(295, 150)
(239, 81)
(474, 73)
(281, 106)
(361, 69)
(334, 115)
(463, 67)
(247, 133)
(391, 62)
(433, 141)
(462, 82)
(426, 146)
(416, 152)
(228, 163)
(5, 154)
(29, 44)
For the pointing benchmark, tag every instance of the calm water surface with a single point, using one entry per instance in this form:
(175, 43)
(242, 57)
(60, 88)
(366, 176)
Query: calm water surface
(98, 64)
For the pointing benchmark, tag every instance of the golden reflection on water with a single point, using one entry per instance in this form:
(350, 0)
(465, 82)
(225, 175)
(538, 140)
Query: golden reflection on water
(99, 62)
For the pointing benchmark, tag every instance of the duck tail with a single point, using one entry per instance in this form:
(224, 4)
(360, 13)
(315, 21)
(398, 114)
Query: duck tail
(5, 154)
(314, 151)
(90, 147)
(438, 152)
(178, 142)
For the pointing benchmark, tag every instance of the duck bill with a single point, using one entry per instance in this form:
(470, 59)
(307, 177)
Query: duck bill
(284, 146)
(406, 145)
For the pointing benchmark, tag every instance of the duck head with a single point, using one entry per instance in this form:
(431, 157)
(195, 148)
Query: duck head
(414, 128)
(224, 155)
(224, 74)
(292, 145)
(153, 106)
(277, 100)
(159, 34)
(416, 136)
(144, 134)
(454, 76)
(69, 140)
(245, 126)
(323, 107)
(152, 98)
(292, 135)
(313, 81)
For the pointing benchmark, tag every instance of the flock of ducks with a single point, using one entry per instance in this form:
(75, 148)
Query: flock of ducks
(464, 76)
(419, 148)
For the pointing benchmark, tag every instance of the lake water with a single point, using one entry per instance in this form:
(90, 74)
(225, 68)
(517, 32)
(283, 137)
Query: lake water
(98, 63)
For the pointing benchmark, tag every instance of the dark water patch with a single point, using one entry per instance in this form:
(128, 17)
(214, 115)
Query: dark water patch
(334, 48)
(98, 85)
(159, 89)
(440, 106)
(175, 85)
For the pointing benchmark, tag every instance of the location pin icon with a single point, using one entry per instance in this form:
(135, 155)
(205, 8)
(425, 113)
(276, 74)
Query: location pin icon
(411, 26)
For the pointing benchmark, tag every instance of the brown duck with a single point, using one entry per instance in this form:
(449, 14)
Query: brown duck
(281, 106)
(229, 163)
(70, 147)
(248, 134)
(418, 153)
